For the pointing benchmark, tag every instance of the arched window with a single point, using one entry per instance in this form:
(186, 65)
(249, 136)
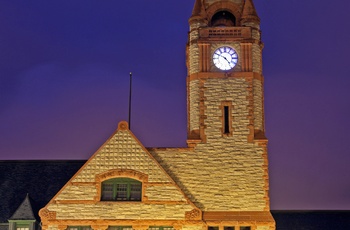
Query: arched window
(121, 189)
(223, 18)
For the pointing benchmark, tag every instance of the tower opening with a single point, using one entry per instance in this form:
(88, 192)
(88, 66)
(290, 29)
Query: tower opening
(226, 120)
(223, 18)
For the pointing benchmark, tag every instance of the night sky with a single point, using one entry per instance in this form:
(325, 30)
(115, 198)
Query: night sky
(64, 84)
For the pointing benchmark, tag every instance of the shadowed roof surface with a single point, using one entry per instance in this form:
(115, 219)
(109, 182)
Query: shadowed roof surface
(24, 211)
(40, 179)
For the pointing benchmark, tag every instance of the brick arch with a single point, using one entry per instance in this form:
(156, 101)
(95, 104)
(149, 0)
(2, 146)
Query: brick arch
(225, 5)
(115, 173)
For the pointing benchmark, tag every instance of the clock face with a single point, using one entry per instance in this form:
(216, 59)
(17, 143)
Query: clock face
(225, 58)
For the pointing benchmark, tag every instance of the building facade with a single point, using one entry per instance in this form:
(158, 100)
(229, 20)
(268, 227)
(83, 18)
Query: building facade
(220, 181)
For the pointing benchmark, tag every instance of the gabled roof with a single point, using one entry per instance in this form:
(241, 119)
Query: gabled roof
(122, 155)
(41, 179)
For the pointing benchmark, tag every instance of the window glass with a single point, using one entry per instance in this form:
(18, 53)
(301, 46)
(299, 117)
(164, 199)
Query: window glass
(122, 191)
(120, 228)
(135, 191)
(79, 228)
(244, 228)
(22, 228)
(213, 228)
(160, 228)
(229, 228)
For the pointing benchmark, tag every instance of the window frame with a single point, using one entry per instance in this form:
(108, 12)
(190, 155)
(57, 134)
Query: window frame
(22, 224)
(121, 189)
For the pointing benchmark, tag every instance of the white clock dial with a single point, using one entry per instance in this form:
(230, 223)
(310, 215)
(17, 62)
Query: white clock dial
(225, 58)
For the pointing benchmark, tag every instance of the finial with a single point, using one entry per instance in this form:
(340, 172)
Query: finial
(249, 13)
(123, 125)
(198, 9)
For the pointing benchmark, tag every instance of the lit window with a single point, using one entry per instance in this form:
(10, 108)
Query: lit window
(160, 228)
(22, 228)
(121, 189)
(79, 228)
(120, 228)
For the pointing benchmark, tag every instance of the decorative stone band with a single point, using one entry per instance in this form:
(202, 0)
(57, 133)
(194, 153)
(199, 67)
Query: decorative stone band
(121, 173)
(218, 75)
(249, 218)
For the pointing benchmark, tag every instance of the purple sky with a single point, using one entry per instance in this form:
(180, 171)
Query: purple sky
(64, 78)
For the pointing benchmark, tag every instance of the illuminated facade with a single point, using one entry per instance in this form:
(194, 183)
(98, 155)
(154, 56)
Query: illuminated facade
(220, 181)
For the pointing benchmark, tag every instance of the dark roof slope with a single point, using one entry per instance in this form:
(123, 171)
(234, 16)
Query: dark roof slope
(312, 220)
(24, 211)
(40, 179)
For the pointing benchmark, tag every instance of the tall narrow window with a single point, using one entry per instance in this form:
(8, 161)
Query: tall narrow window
(226, 118)
(121, 189)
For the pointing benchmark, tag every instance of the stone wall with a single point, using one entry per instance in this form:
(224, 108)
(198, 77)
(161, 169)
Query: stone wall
(258, 104)
(193, 102)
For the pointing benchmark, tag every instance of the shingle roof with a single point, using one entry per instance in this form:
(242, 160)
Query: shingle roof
(24, 211)
(40, 179)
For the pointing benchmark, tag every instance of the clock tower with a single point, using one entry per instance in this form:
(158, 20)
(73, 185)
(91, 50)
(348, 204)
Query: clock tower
(225, 81)
(225, 101)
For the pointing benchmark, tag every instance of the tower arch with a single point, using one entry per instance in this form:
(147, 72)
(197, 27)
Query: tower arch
(223, 18)
(227, 7)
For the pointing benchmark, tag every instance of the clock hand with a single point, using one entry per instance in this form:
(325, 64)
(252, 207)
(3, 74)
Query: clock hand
(225, 58)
